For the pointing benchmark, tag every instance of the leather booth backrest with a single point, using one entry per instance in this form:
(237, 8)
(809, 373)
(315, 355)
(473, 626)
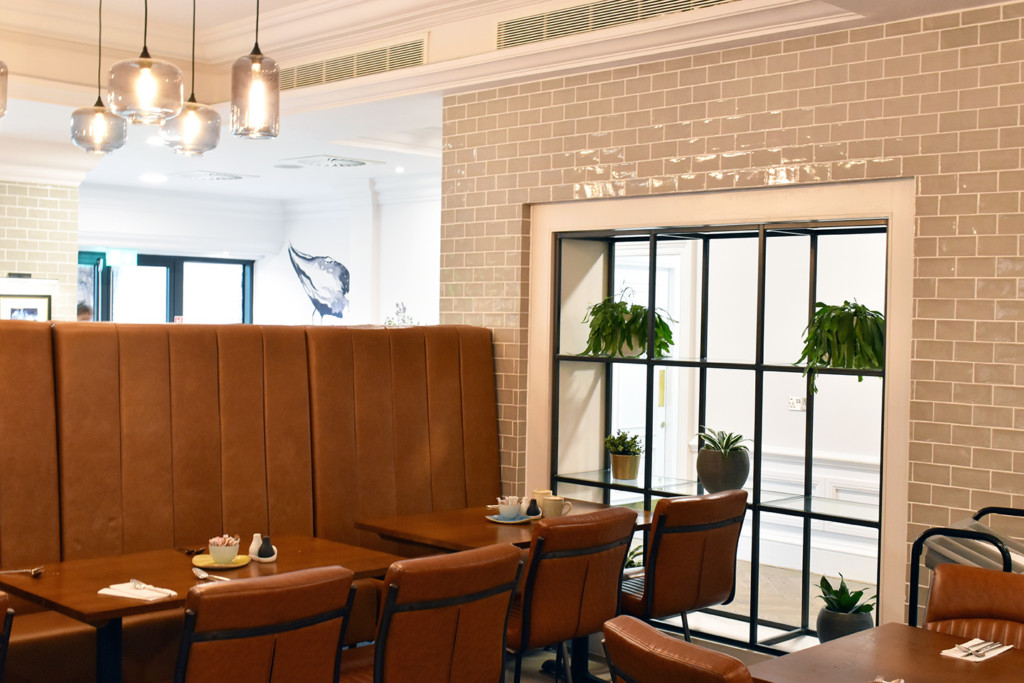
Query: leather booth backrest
(977, 603)
(29, 525)
(404, 421)
(227, 614)
(696, 565)
(164, 435)
(647, 655)
(574, 585)
(443, 617)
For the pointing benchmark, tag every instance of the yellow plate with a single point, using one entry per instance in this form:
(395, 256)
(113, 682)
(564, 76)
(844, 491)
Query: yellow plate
(206, 562)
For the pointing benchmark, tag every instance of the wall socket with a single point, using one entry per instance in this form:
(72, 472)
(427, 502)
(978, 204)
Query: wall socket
(798, 403)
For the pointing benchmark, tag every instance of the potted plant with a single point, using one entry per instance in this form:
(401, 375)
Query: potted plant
(847, 336)
(619, 328)
(625, 449)
(844, 612)
(723, 462)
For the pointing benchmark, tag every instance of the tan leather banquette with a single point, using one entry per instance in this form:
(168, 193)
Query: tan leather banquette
(117, 438)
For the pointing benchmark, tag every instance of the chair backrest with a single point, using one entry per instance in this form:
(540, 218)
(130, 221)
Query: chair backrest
(979, 603)
(638, 653)
(691, 560)
(443, 617)
(574, 575)
(5, 634)
(285, 627)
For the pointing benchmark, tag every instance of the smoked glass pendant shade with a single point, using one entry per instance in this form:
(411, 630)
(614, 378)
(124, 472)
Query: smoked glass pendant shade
(144, 90)
(195, 130)
(96, 130)
(255, 96)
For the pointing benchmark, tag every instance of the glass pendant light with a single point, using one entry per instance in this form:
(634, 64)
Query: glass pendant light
(197, 128)
(145, 90)
(255, 93)
(3, 89)
(96, 129)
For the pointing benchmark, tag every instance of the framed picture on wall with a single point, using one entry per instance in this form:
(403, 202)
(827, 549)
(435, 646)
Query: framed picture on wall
(24, 307)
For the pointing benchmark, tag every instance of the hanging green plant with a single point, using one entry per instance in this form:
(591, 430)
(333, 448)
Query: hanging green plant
(617, 325)
(847, 336)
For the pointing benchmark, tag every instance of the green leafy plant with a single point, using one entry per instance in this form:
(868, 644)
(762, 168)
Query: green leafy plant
(635, 557)
(842, 600)
(623, 443)
(723, 442)
(615, 324)
(847, 336)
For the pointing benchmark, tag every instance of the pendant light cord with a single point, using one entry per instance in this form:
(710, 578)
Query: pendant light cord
(256, 45)
(145, 29)
(192, 97)
(99, 60)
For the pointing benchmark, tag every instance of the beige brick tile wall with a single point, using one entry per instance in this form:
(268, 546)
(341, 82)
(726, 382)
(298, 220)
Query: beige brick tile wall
(936, 98)
(39, 235)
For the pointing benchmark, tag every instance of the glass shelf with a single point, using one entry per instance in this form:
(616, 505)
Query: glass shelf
(865, 512)
(671, 485)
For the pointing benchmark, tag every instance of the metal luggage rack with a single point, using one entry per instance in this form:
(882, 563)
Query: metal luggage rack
(968, 542)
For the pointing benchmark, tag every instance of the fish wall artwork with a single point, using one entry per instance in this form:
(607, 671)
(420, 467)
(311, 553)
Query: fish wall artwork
(325, 281)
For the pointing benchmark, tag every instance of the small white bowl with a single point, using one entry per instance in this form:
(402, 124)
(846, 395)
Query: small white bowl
(223, 554)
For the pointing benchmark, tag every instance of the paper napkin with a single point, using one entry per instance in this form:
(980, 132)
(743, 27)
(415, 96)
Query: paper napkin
(957, 653)
(148, 593)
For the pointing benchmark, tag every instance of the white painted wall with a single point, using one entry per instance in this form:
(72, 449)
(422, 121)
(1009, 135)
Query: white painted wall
(410, 258)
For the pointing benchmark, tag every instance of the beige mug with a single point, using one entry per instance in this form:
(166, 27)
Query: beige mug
(541, 494)
(555, 506)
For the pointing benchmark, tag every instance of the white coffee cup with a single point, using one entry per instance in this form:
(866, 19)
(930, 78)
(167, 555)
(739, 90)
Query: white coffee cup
(555, 506)
(541, 494)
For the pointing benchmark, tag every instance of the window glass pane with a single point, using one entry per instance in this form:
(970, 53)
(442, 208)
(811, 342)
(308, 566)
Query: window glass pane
(87, 289)
(212, 292)
(783, 433)
(779, 573)
(581, 391)
(674, 444)
(678, 293)
(732, 299)
(787, 275)
(842, 549)
(583, 283)
(852, 267)
(730, 404)
(140, 294)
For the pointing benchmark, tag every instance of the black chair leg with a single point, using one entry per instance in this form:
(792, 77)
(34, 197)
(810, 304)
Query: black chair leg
(519, 666)
(564, 663)
(686, 628)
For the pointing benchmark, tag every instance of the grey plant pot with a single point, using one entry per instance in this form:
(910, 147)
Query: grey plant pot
(832, 625)
(718, 473)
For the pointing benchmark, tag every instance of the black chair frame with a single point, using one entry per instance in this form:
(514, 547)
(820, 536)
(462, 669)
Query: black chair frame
(918, 547)
(190, 636)
(390, 609)
(5, 639)
(659, 532)
(538, 556)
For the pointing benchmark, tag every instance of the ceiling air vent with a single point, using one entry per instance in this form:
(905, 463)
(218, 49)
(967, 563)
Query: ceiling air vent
(327, 161)
(590, 17)
(377, 61)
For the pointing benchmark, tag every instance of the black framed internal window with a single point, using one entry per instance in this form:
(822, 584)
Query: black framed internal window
(737, 299)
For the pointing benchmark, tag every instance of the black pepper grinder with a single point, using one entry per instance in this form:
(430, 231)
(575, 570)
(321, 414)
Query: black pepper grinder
(266, 549)
(532, 510)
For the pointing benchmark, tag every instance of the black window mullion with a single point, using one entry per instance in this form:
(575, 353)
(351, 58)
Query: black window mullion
(805, 559)
(755, 509)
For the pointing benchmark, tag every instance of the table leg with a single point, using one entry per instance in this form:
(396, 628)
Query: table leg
(108, 652)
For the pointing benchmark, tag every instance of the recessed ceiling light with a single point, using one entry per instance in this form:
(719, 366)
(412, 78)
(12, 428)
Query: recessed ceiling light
(284, 165)
(208, 176)
(329, 161)
(154, 178)
(399, 169)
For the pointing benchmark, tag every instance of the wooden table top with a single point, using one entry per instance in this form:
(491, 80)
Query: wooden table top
(890, 651)
(71, 587)
(467, 528)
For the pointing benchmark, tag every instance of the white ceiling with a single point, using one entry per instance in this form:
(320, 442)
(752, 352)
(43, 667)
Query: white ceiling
(399, 132)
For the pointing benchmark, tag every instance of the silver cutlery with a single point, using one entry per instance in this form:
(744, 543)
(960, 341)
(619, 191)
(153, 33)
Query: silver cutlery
(203, 575)
(980, 649)
(141, 585)
(34, 572)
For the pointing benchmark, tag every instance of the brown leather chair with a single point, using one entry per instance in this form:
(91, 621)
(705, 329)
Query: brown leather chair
(573, 578)
(443, 619)
(977, 603)
(691, 558)
(281, 627)
(638, 653)
(5, 634)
